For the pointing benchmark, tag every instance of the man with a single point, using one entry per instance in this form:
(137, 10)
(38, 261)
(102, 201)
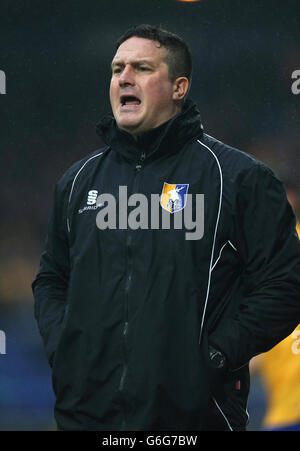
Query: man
(148, 327)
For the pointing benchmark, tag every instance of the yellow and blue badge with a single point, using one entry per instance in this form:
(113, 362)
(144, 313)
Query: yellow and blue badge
(173, 197)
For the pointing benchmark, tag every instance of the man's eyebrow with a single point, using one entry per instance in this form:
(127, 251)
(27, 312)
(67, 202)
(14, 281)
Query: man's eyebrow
(132, 62)
(116, 63)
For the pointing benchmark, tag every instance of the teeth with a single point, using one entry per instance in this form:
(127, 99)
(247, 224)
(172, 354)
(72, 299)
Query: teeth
(130, 99)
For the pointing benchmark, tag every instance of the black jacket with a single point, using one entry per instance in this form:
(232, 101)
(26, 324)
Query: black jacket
(126, 315)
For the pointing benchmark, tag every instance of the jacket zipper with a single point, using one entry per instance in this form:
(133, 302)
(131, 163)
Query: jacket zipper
(138, 167)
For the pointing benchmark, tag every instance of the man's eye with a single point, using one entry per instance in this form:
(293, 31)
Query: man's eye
(116, 70)
(144, 68)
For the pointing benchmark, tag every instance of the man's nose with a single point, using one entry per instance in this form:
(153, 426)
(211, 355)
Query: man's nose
(127, 76)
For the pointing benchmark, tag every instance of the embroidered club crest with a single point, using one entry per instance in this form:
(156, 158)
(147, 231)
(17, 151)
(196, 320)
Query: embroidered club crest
(173, 197)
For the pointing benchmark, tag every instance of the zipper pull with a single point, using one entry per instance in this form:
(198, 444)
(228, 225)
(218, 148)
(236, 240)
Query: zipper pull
(138, 167)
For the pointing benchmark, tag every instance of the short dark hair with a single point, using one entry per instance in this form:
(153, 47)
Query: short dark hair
(179, 59)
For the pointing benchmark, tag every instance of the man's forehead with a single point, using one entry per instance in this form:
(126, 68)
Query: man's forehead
(139, 49)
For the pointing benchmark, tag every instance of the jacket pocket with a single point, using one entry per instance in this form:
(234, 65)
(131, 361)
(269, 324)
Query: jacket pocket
(218, 383)
(235, 406)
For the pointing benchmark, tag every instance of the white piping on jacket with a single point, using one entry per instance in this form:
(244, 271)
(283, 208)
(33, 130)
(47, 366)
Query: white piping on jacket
(215, 234)
(211, 261)
(232, 246)
(227, 242)
(219, 408)
(74, 180)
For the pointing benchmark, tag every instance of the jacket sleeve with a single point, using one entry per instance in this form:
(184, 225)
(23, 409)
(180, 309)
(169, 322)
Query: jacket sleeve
(51, 283)
(268, 309)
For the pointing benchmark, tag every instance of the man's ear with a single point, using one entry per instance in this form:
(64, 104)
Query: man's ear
(180, 88)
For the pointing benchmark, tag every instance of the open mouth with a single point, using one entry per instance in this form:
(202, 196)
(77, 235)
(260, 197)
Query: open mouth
(129, 100)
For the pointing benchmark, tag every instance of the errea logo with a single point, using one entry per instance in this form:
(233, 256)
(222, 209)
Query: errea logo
(92, 197)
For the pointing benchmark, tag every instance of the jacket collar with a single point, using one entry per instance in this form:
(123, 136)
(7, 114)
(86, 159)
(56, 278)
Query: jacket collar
(168, 137)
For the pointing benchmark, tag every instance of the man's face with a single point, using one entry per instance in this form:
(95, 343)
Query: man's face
(141, 93)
